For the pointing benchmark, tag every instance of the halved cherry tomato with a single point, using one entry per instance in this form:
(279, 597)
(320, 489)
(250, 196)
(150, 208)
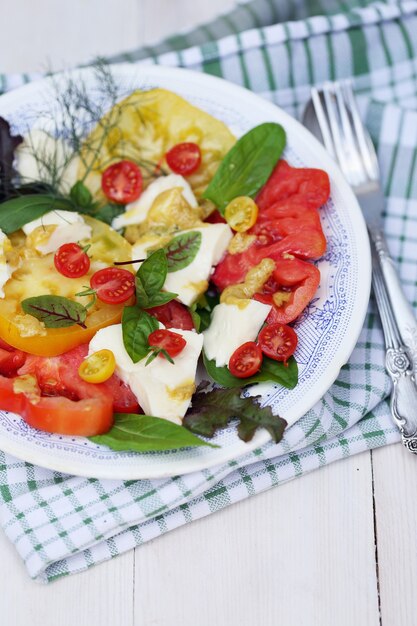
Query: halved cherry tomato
(172, 343)
(306, 186)
(113, 285)
(122, 182)
(289, 290)
(98, 367)
(184, 158)
(278, 341)
(173, 315)
(71, 260)
(241, 213)
(246, 360)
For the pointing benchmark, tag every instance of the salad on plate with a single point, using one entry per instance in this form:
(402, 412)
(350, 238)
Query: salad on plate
(150, 274)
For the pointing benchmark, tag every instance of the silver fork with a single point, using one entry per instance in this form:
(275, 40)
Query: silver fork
(333, 116)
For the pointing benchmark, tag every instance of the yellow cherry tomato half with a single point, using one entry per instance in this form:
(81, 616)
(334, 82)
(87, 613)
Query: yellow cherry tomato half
(241, 213)
(98, 367)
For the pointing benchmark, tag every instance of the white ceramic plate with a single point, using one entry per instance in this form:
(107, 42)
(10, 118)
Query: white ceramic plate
(327, 332)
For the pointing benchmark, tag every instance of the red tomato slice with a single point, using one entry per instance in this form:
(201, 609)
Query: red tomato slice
(90, 414)
(113, 285)
(173, 315)
(122, 182)
(184, 158)
(70, 260)
(124, 400)
(59, 401)
(246, 360)
(172, 343)
(10, 360)
(296, 278)
(306, 186)
(278, 341)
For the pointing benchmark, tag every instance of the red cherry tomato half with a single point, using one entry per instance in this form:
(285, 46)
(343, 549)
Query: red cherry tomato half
(184, 158)
(173, 315)
(278, 341)
(122, 182)
(113, 285)
(172, 343)
(71, 260)
(246, 360)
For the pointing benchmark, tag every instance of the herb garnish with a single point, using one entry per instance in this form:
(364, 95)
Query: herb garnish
(212, 411)
(182, 250)
(150, 279)
(55, 311)
(247, 166)
(271, 371)
(144, 433)
(137, 325)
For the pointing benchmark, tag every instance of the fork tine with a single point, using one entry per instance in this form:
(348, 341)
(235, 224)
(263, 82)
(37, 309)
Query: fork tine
(357, 175)
(336, 128)
(366, 148)
(323, 123)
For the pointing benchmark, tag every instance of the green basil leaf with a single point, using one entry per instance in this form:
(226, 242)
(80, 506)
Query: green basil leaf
(271, 371)
(160, 298)
(55, 311)
(196, 317)
(107, 213)
(81, 195)
(248, 165)
(17, 212)
(182, 250)
(137, 325)
(213, 410)
(145, 433)
(150, 277)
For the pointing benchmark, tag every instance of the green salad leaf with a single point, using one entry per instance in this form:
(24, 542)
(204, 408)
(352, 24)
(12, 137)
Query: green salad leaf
(137, 325)
(150, 279)
(213, 410)
(55, 311)
(248, 165)
(271, 371)
(145, 433)
(182, 250)
(17, 212)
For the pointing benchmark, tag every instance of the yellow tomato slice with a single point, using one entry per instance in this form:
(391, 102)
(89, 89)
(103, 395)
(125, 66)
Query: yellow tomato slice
(98, 367)
(241, 214)
(36, 275)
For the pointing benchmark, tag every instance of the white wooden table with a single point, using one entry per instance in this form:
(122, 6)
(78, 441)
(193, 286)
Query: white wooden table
(336, 548)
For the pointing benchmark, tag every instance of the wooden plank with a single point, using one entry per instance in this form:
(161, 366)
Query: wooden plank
(47, 33)
(300, 554)
(395, 488)
(102, 596)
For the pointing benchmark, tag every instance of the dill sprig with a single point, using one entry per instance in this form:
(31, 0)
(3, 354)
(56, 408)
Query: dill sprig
(75, 111)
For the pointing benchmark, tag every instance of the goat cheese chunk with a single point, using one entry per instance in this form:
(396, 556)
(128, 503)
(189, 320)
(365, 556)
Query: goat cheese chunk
(162, 389)
(70, 227)
(192, 281)
(231, 326)
(136, 212)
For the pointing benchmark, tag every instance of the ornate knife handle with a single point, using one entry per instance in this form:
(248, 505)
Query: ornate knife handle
(404, 395)
(401, 308)
(398, 361)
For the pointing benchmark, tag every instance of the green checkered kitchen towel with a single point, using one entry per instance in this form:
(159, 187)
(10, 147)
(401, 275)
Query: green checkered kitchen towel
(61, 524)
